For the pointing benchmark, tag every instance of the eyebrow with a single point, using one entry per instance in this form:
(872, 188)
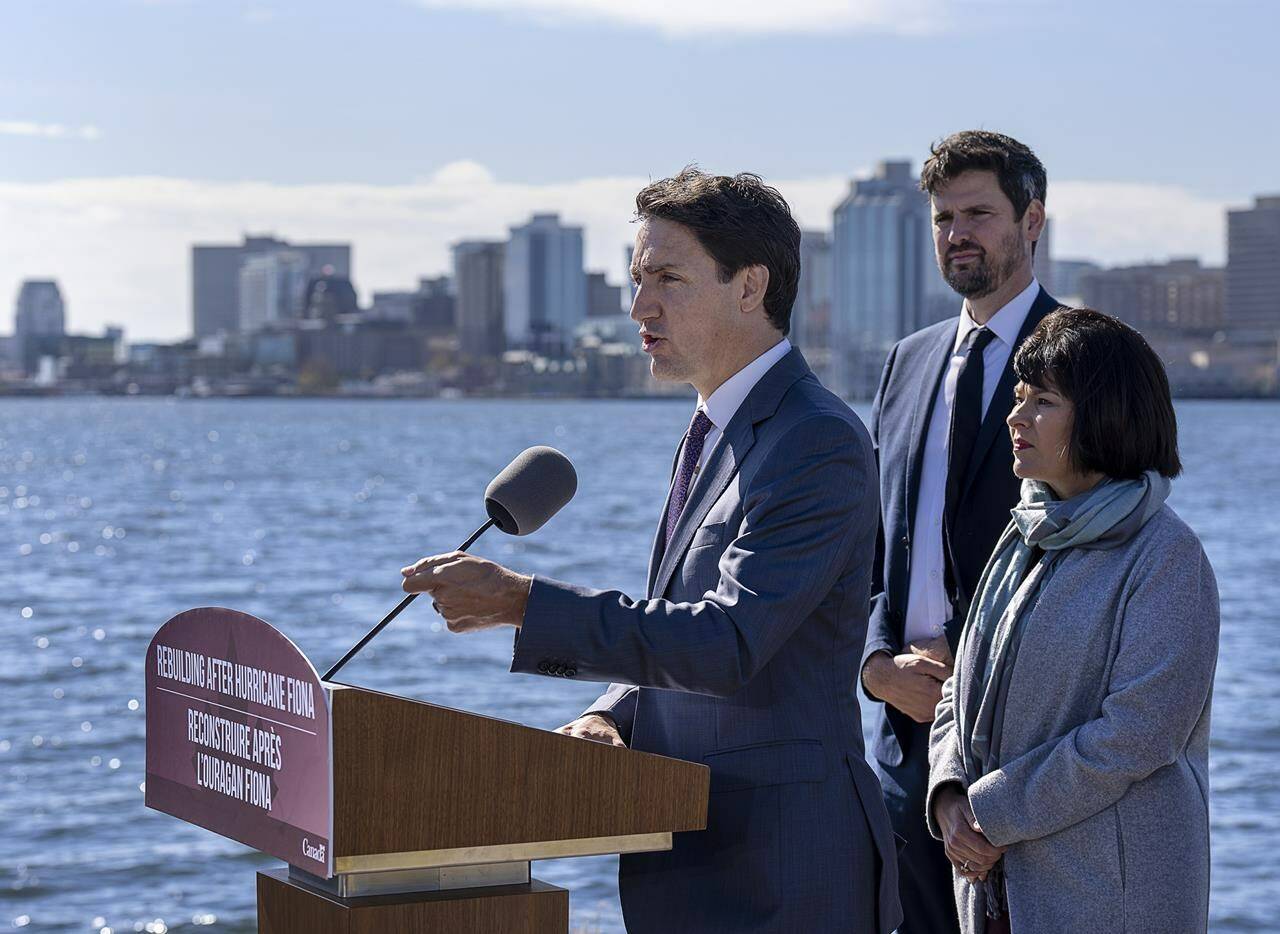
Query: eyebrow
(653, 269)
(972, 207)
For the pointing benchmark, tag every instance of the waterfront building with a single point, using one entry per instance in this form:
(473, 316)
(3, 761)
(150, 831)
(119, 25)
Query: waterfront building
(328, 296)
(603, 300)
(881, 256)
(435, 306)
(478, 280)
(811, 313)
(1253, 268)
(272, 287)
(544, 286)
(1179, 297)
(215, 276)
(1067, 274)
(39, 321)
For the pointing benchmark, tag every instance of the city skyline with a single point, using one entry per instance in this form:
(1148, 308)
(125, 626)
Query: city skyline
(404, 127)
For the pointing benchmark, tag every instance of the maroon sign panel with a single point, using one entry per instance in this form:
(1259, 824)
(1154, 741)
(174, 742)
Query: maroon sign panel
(238, 735)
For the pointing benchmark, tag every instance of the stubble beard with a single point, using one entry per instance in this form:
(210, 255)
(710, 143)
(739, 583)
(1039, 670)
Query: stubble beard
(982, 278)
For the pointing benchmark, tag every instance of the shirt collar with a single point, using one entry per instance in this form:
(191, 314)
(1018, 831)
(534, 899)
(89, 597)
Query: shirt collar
(729, 396)
(1006, 323)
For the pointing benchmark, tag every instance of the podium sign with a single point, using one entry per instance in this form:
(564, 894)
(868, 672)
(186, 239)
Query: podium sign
(238, 736)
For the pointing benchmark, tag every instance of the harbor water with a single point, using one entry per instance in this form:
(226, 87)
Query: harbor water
(115, 514)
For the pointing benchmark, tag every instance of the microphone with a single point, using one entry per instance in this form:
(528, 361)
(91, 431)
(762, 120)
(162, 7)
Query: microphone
(519, 501)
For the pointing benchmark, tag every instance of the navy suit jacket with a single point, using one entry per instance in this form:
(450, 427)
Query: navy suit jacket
(745, 655)
(899, 424)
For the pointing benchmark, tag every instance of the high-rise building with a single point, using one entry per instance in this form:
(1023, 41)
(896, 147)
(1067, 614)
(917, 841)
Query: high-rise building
(1180, 297)
(1253, 267)
(215, 276)
(1043, 265)
(478, 279)
(881, 255)
(39, 321)
(628, 253)
(1067, 274)
(603, 300)
(544, 286)
(435, 305)
(811, 313)
(272, 288)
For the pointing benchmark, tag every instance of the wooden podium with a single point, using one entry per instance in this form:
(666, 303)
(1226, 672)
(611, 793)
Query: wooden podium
(437, 814)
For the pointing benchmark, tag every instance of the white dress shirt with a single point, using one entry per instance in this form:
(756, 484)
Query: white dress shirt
(927, 605)
(729, 396)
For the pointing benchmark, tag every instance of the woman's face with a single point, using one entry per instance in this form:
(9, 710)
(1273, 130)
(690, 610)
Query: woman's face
(1040, 426)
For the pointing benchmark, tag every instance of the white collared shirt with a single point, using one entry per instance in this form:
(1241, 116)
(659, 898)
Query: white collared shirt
(724, 403)
(927, 605)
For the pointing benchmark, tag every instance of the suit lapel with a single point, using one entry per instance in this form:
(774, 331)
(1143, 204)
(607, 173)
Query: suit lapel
(660, 537)
(935, 367)
(723, 461)
(993, 423)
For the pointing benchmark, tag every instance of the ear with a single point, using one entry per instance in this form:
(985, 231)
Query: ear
(755, 282)
(1033, 219)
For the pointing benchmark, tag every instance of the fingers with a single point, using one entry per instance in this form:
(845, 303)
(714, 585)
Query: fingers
(431, 562)
(593, 729)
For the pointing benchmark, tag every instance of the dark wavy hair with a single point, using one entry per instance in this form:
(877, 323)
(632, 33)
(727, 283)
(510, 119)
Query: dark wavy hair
(1124, 420)
(1020, 174)
(741, 222)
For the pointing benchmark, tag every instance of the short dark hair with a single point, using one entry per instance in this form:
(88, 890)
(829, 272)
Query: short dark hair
(1124, 420)
(741, 222)
(1021, 176)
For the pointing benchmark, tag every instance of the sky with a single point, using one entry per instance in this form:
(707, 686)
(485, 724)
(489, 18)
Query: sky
(130, 129)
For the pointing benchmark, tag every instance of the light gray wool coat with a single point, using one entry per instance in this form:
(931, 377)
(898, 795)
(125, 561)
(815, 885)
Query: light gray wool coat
(1103, 793)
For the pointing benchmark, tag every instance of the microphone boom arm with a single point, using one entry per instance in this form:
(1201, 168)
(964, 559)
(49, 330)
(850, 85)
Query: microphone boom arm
(328, 675)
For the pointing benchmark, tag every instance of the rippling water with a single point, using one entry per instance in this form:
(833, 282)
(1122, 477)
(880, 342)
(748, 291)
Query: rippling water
(116, 514)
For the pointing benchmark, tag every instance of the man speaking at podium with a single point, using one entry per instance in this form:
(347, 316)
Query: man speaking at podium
(745, 653)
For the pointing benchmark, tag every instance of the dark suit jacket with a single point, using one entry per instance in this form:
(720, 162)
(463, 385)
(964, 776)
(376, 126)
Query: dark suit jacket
(899, 424)
(745, 655)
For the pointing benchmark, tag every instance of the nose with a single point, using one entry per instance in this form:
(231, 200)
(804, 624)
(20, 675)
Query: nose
(958, 232)
(1018, 417)
(642, 306)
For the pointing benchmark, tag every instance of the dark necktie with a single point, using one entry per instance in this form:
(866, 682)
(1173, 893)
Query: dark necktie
(693, 441)
(966, 420)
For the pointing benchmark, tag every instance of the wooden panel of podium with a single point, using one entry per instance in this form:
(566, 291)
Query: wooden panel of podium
(437, 814)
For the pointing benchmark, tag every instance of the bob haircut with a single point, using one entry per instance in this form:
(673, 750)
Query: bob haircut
(1124, 421)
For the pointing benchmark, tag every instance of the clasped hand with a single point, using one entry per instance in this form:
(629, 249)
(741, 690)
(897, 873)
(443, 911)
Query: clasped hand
(469, 592)
(967, 846)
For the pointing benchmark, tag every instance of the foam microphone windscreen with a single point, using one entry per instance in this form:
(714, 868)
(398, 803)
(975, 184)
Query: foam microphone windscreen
(530, 490)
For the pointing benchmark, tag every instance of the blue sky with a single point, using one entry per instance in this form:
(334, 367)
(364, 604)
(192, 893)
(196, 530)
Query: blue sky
(129, 128)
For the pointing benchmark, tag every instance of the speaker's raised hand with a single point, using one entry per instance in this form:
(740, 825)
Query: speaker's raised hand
(469, 592)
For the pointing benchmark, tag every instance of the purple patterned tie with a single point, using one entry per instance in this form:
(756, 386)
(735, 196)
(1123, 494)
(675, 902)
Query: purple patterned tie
(693, 440)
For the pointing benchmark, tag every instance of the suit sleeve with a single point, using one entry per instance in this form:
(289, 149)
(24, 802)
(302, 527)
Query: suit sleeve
(619, 704)
(881, 635)
(810, 504)
(945, 765)
(1160, 682)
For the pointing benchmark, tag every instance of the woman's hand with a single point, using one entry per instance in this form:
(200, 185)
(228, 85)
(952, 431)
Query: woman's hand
(967, 847)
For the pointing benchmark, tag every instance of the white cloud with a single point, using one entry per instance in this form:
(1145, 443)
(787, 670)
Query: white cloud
(684, 18)
(48, 130)
(121, 247)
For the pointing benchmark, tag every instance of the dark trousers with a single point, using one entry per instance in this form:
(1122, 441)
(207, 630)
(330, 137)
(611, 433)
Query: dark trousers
(924, 872)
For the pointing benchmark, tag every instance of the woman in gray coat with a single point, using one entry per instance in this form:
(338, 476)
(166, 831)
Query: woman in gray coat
(1069, 754)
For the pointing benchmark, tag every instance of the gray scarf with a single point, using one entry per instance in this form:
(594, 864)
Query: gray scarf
(1107, 515)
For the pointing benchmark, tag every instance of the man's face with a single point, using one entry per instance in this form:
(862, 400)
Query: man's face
(689, 320)
(979, 243)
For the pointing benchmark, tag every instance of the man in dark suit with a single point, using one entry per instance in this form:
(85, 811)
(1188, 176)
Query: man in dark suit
(743, 653)
(946, 474)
